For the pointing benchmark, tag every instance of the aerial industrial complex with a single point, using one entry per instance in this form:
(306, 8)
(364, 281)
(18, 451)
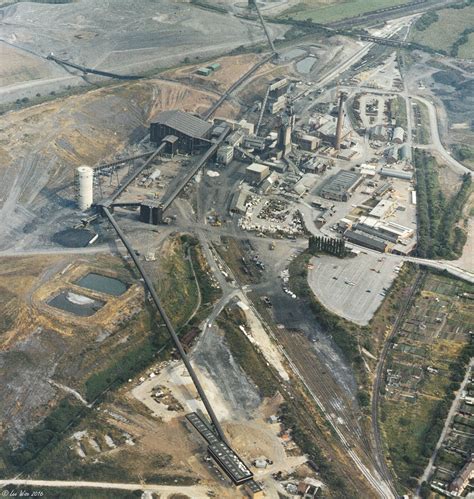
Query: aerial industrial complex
(226, 285)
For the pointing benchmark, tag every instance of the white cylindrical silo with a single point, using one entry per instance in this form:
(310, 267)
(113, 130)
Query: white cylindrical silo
(84, 187)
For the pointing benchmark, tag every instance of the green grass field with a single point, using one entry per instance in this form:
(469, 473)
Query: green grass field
(324, 12)
(442, 34)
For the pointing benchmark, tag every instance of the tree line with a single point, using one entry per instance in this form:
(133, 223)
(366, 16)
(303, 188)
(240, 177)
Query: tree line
(438, 233)
(336, 247)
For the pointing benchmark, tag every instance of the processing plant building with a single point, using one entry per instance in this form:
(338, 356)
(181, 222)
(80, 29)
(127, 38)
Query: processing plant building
(192, 132)
(256, 173)
(341, 186)
(365, 240)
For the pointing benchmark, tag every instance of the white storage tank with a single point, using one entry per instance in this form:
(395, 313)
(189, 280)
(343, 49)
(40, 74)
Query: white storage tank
(84, 183)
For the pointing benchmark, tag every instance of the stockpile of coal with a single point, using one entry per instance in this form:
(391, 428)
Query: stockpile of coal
(74, 238)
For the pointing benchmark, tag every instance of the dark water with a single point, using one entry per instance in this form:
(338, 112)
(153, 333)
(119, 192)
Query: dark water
(73, 238)
(62, 302)
(102, 284)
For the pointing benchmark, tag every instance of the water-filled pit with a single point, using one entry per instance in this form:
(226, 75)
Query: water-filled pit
(76, 304)
(102, 284)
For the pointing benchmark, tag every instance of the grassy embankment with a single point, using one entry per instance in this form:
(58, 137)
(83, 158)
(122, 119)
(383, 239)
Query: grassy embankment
(447, 30)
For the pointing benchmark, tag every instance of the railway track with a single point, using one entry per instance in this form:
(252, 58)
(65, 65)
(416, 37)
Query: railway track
(332, 406)
(384, 490)
(385, 470)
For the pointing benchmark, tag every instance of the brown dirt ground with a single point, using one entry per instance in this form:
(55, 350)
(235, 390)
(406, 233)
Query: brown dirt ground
(232, 68)
(18, 66)
(92, 127)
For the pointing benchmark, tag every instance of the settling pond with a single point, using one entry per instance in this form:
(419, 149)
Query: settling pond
(76, 304)
(102, 284)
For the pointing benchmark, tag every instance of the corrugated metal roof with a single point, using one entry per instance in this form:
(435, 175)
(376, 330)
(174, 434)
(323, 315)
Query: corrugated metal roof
(230, 462)
(184, 122)
(363, 240)
(342, 181)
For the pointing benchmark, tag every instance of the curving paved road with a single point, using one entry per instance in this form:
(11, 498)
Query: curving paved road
(436, 143)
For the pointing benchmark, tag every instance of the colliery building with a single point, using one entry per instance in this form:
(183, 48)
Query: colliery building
(341, 186)
(398, 135)
(192, 132)
(365, 240)
(256, 173)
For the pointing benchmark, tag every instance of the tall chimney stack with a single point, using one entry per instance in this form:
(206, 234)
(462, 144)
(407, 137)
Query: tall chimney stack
(340, 120)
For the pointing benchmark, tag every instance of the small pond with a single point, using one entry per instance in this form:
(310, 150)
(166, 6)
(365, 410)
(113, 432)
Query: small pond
(102, 284)
(76, 304)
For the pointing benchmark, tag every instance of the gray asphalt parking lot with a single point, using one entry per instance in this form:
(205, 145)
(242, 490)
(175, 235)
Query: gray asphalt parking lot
(353, 287)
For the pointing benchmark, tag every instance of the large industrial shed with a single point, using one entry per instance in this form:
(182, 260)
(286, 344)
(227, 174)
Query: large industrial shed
(193, 133)
(341, 186)
(365, 240)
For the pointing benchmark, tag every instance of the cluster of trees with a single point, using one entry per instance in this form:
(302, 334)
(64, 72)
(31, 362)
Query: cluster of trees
(46, 435)
(463, 152)
(209, 293)
(328, 245)
(426, 20)
(463, 38)
(125, 367)
(438, 234)
(461, 5)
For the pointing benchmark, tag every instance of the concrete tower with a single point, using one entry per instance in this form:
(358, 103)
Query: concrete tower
(284, 136)
(340, 121)
(84, 183)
